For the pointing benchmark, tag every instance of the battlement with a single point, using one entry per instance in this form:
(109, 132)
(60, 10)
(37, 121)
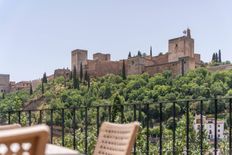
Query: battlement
(101, 57)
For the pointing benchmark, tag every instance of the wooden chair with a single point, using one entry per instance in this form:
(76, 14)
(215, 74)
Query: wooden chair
(10, 126)
(116, 139)
(28, 140)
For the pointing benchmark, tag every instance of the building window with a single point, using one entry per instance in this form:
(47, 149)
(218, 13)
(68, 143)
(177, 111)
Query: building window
(209, 126)
(218, 136)
(218, 130)
(210, 131)
(218, 125)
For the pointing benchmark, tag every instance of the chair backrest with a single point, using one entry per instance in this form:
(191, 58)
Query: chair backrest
(10, 126)
(28, 140)
(116, 139)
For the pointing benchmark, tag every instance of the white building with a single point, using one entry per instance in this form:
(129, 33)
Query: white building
(208, 125)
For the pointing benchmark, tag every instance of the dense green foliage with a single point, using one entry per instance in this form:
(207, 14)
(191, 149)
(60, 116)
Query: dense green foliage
(116, 91)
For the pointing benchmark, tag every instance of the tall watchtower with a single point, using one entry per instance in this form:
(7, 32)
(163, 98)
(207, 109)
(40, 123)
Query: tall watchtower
(78, 56)
(181, 47)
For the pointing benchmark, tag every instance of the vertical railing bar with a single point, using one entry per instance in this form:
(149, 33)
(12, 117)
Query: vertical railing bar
(62, 117)
(134, 108)
(230, 130)
(201, 129)
(40, 117)
(29, 112)
(74, 128)
(19, 117)
(187, 127)
(122, 113)
(215, 127)
(98, 123)
(86, 130)
(161, 129)
(174, 129)
(109, 113)
(147, 132)
(51, 125)
(140, 113)
(9, 117)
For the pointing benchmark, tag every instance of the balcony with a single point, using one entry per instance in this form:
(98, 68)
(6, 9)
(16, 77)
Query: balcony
(163, 131)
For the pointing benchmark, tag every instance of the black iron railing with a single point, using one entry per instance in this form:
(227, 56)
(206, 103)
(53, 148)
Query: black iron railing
(78, 127)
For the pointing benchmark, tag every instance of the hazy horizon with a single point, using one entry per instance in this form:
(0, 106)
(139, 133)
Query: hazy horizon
(38, 37)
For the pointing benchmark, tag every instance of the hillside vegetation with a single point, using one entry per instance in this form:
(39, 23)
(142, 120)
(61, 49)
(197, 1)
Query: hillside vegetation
(115, 90)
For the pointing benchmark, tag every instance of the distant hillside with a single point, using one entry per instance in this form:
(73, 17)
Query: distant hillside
(59, 93)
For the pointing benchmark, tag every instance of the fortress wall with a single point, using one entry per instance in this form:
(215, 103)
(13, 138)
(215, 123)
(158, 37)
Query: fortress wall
(101, 68)
(174, 67)
(161, 59)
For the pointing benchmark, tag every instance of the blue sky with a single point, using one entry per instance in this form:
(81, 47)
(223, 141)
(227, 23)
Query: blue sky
(38, 36)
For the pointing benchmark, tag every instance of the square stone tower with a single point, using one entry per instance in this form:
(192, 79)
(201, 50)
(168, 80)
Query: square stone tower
(181, 47)
(79, 56)
(4, 83)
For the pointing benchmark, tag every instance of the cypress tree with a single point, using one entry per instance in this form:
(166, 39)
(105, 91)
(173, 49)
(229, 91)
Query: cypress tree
(86, 76)
(42, 88)
(213, 58)
(81, 72)
(216, 57)
(70, 75)
(219, 56)
(44, 79)
(151, 51)
(75, 79)
(3, 95)
(129, 55)
(123, 70)
(139, 54)
(31, 90)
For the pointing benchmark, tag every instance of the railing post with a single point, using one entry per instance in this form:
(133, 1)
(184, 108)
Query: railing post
(215, 126)
(40, 117)
(187, 127)
(74, 128)
(98, 123)
(51, 125)
(201, 122)
(109, 113)
(62, 117)
(19, 117)
(174, 130)
(134, 107)
(29, 112)
(147, 124)
(230, 127)
(122, 113)
(86, 130)
(161, 129)
(9, 117)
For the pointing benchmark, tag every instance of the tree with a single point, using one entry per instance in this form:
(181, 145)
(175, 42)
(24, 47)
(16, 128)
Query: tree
(213, 57)
(31, 90)
(151, 51)
(123, 70)
(129, 55)
(42, 88)
(216, 57)
(219, 56)
(3, 95)
(70, 76)
(75, 79)
(44, 79)
(139, 54)
(81, 72)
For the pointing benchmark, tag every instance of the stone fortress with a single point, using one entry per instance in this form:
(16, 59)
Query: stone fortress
(179, 59)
